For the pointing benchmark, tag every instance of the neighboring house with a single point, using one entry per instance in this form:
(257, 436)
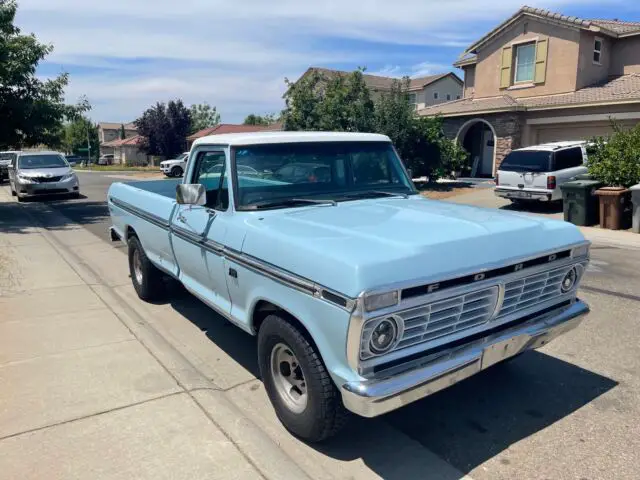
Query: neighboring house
(127, 151)
(108, 132)
(231, 128)
(541, 77)
(423, 91)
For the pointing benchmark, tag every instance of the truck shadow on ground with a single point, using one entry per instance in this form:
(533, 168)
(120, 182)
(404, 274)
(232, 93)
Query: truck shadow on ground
(534, 207)
(466, 424)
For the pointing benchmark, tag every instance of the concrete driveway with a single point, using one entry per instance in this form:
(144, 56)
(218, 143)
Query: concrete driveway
(568, 411)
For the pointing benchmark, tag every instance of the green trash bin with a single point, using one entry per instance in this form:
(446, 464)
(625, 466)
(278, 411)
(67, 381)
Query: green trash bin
(580, 203)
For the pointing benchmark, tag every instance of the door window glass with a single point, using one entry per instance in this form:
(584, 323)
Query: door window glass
(211, 173)
(569, 158)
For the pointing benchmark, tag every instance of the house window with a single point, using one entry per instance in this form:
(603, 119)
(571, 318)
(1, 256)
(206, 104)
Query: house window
(457, 97)
(448, 97)
(597, 50)
(525, 62)
(413, 100)
(435, 95)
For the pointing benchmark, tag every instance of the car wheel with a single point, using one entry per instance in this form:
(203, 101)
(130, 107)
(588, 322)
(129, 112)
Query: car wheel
(146, 278)
(302, 393)
(176, 172)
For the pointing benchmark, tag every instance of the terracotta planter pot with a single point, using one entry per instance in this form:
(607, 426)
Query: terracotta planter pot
(615, 208)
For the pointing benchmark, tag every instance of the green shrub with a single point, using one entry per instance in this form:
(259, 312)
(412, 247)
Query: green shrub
(615, 161)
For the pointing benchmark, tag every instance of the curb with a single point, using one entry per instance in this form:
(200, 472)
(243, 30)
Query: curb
(256, 445)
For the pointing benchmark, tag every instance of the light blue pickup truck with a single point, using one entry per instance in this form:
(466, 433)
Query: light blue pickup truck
(364, 295)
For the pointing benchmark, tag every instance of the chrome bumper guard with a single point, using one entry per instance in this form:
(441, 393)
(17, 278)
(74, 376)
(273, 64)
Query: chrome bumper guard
(375, 397)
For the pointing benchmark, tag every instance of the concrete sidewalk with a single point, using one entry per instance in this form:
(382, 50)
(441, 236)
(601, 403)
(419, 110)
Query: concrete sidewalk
(87, 391)
(486, 198)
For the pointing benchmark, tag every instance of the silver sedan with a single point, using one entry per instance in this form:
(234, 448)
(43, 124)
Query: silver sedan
(34, 174)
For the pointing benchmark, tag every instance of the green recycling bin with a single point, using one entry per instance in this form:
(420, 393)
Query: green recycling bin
(580, 204)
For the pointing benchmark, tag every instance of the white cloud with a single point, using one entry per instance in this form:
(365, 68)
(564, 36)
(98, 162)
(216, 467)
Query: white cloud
(235, 54)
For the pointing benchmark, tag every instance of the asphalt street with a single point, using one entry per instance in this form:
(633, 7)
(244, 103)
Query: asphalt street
(569, 410)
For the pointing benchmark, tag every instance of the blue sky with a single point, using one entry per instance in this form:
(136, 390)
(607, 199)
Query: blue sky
(125, 55)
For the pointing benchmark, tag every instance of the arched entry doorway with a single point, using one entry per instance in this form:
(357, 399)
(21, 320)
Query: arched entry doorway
(478, 137)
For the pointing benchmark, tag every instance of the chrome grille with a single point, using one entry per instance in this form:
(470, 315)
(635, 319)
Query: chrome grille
(442, 318)
(46, 179)
(529, 291)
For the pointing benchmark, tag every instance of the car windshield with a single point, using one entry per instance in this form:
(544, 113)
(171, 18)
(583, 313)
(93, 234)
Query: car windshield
(42, 161)
(527, 161)
(338, 171)
(7, 157)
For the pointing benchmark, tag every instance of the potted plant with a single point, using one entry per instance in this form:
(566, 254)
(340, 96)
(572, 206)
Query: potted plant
(616, 163)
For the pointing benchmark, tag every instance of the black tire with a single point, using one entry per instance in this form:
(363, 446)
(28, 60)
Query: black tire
(13, 193)
(324, 414)
(150, 287)
(176, 172)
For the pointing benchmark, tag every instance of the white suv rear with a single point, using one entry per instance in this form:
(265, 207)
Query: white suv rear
(536, 173)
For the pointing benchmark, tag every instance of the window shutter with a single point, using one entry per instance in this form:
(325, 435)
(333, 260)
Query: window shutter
(505, 70)
(542, 48)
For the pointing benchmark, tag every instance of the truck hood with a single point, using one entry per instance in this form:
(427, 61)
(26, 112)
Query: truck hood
(368, 244)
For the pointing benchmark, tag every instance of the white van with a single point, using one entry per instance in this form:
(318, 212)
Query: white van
(536, 173)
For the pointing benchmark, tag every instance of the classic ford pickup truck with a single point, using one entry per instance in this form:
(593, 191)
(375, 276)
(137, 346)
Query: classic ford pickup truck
(364, 295)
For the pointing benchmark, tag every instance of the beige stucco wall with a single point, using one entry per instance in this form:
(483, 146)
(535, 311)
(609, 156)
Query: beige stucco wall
(108, 134)
(626, 56)
(444, 87)
(469, 81)
(588, 71)
(562, 61)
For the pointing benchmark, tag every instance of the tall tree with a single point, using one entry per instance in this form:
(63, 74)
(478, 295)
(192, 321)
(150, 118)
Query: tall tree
(76, 134)
(164, 128)
(267, 119)
(203, 116)
(32, 110)
(336, 103)
(123, 134)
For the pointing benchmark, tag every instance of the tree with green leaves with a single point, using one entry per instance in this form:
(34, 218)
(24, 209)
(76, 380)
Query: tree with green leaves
(615, 160)
(123, 134)
(266, 120)
(32, 111)
(203, 116)
(76, 134)
(164, 128)
(333, 103)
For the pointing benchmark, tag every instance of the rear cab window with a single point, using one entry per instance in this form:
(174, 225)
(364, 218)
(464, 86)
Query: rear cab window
(524, 161)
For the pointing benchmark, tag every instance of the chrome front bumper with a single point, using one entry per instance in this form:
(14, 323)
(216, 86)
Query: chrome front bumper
(518, 194)
(375, 397)
(53, 188)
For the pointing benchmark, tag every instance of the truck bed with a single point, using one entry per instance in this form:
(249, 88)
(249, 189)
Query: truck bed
(166, 188)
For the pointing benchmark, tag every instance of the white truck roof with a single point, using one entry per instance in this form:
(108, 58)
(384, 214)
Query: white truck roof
(555, 145)
(258, 138)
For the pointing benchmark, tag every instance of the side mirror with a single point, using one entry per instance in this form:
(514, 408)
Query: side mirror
(191, 194)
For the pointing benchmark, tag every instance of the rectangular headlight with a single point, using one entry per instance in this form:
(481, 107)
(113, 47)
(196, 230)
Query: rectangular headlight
(581, 251)
(380, 300)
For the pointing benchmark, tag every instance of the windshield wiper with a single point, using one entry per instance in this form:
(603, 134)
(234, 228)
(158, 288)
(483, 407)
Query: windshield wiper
(382, 193)
(289, 202)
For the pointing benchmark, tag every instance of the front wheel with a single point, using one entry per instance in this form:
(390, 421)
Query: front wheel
(302, 393)
(147, 280)
(176, 172)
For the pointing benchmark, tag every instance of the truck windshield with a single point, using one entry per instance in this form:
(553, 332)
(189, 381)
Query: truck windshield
(527, 161)
(340, 171)
(42, 161)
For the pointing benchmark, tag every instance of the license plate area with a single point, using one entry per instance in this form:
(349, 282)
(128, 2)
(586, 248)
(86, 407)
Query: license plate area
(519, 194)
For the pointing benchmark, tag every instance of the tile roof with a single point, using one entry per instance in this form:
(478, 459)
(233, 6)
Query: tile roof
(378, 82)
(131, 141)
(613, 28)
(232, 128)
(116, 126)
(614, 90)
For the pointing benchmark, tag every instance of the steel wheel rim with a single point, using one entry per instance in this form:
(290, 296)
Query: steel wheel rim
(137, 266)
(288, 378)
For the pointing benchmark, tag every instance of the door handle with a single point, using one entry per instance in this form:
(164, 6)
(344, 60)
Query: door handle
(233, 273)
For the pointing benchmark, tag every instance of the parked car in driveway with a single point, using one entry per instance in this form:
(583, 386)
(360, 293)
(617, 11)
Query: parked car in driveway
(536, 173)
(106, 159)
(176, 166)
(364, 295)
(5, 161)
(34, 174)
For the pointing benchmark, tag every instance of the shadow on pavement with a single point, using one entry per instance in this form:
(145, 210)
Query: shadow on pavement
(534, 207)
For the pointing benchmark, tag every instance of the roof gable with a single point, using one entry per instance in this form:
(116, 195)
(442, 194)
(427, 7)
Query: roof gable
(612, 28)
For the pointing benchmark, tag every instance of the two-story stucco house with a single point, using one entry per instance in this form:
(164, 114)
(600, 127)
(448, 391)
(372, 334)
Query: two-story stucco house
(108, 132)
(540, 77)
(423, 91)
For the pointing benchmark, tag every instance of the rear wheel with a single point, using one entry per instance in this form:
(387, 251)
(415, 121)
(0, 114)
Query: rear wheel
(302, 393)
(176, 172)
(147, 280)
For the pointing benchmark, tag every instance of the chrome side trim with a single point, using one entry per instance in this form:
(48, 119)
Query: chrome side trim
(370, 398)
(132, 209)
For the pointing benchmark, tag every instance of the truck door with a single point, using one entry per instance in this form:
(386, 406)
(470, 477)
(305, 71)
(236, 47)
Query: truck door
(197, 232)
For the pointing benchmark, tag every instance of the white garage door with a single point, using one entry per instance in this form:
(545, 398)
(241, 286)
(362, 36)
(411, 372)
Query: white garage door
(565, 132)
